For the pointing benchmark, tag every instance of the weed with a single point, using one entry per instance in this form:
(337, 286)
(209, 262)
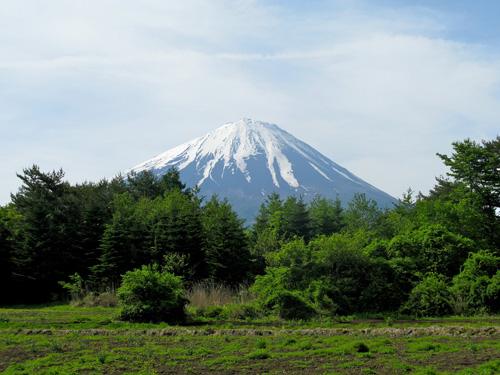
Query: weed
(259, 354)
(261, 344)
(361, 347)
(101, 358)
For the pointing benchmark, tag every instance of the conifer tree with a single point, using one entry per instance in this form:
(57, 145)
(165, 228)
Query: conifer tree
(228, 257)
(50, 222)
(326, 216)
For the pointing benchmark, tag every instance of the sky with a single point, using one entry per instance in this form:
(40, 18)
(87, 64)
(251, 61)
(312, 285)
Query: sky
(97, 86)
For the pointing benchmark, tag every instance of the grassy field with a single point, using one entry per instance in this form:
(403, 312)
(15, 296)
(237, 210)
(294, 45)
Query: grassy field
(70, 340)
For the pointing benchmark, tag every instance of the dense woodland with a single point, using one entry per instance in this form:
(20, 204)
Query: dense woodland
(436, 254)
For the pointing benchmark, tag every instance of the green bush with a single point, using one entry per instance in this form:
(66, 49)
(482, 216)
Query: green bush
(151, 295)
(243, 311)
(477, 287)
(430, 297)
(361, 347)
(210, 311)
(233, 311)
(274, 295)
(291, 305)
(259, 354)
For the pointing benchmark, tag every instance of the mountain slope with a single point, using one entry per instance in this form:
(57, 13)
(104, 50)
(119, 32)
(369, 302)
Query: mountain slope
(247, 160)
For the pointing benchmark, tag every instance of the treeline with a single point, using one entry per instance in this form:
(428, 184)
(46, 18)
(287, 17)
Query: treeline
(428, 255)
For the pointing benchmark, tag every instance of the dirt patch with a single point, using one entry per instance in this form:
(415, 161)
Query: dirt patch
(455, 361)
(11, 356)
(453, 331)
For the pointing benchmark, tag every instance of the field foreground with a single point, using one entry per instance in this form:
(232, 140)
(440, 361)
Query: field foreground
(70, 340)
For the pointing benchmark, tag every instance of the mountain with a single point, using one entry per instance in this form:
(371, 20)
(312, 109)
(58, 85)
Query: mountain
(246, 160)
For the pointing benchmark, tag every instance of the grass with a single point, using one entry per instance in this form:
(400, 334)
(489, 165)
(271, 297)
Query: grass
(71, 340)
(208, 294)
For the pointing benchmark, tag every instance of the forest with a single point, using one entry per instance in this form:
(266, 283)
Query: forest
(150, 239)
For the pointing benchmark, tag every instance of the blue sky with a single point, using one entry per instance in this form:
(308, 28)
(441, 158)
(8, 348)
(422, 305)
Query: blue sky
(96, 87)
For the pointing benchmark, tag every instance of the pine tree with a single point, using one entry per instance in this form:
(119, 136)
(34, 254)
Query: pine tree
(296, 221)
(124, 242)
(326, 216)
(50, 221)
(228, 257)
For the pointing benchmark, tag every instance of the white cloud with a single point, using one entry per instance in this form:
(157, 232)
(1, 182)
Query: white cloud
(98, 86)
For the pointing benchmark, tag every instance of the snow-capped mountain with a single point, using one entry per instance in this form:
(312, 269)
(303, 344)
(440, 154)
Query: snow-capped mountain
(246, 160)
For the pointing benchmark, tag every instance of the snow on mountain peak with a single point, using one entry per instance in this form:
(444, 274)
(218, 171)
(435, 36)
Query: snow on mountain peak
(233, 144)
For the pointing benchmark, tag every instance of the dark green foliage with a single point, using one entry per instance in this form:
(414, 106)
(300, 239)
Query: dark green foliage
(50, 220)
(295, 221)
(145, 184)
(225, 243)
(363, 213)
(460, 211)
(274, 294)
(332, 274)
(146, 231)
(123, 241)
(292, 306)
(9, 235)
(477, 286)
(433, 247)
(430, 297)
(361, 347)
(151, 295)
(237, 311)
(175, 226)
(477, 166)
(326, 216)
(351, 280)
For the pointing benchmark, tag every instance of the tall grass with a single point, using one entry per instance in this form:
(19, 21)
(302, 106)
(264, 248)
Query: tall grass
(206, 293)
(91, 299)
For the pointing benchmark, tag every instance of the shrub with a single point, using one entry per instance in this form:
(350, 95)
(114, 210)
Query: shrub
(259, 354)
(361, 347)
(273, 295)
(291, 305)
(151, 295)
(430, 297)
(477, 286)
(209, 311)
(232, 311)
(243, 311)
(75, 286)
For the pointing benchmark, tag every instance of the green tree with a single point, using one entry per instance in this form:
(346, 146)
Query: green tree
(433, 248)
(172, 181)
(459, 210)
(477, 166)
(225, 243)
(50, 223)
(175, 222)
(326, 216)
(145, 231)
(267, 232)
(9, 237)
(124, 242)
(295, 219)
(363, 214)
